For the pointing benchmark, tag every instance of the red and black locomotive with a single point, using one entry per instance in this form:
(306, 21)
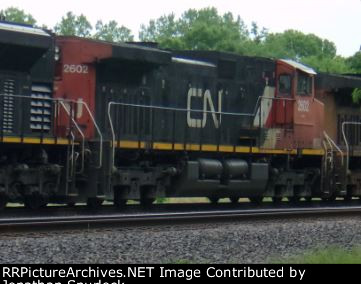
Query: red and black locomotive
(87, 121)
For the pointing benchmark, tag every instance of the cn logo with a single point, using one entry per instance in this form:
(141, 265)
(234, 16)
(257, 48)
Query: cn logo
(208, 106)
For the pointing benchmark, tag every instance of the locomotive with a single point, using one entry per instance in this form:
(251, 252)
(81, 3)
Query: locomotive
(83, 120)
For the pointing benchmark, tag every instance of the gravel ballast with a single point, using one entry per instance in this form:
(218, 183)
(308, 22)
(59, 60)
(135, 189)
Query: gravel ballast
(235, 242)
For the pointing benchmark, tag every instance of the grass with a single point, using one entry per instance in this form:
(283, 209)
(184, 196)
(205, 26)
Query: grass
(330, 255)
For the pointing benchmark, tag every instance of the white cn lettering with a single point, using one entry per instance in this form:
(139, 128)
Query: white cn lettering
(207, 102)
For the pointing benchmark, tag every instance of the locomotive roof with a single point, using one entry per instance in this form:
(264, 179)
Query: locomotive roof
(14, 27)
(126, 51)
(337, 81)
(192, 62)
(299, 66)
(141, 53)
(215, 56)
(25, 43)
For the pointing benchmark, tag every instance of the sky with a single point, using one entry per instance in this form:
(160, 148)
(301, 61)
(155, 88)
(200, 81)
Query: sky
(335, 20)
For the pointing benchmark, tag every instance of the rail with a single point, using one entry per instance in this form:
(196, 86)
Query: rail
(60, 219)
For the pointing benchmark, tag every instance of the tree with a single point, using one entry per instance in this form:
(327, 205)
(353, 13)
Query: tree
(354, 62)
(112, 32)
(165, 30)
(257, 35)
(197, 29)
(336, 64)
(296, 45)
(13, 14)
(72, 25)
(356, 95)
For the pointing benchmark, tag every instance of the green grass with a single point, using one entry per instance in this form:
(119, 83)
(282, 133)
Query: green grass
(330, 255)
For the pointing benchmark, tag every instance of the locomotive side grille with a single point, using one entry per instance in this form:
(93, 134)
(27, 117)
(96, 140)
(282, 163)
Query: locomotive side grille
(8, 106)
(40, 108)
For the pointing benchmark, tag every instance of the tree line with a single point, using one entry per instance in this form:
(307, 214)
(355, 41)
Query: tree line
(207, 29)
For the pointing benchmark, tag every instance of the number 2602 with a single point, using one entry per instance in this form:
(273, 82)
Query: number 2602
(72, 68)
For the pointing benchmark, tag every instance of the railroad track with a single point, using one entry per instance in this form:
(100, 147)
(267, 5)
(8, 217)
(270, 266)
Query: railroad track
(80, 218)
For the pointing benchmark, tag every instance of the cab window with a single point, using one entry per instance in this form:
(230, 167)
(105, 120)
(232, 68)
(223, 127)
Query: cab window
(284, 85)
(304, 84)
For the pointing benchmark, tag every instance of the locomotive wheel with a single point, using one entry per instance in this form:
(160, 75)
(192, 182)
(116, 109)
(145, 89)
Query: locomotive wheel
(120, 199)
(3, 201)
(331, 198)
(213, 199)
(347, 197)
(277, 199)
(294, 199)
(34, 201)
(94, 202)
(120, 203)
(308, 199)
(146, 202)
(256, 200)
(147, 195)
(234, 199)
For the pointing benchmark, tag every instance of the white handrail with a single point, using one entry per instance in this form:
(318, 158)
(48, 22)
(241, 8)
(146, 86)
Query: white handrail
(113, 133)
(345, 139)
(69, 170)
(81, 133)
(110, 104)
(99, 133)
(332, 143)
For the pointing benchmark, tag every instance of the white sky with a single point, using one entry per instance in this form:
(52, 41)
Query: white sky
(336, 20)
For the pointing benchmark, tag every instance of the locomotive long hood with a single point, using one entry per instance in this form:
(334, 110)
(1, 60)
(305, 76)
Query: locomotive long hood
(334, 81)
(21, 46)
(132, 52)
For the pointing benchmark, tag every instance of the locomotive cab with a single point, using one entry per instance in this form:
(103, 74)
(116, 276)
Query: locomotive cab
(296, 118)
(294, 93)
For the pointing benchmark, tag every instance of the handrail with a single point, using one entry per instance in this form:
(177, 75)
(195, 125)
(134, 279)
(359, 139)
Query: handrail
(325, 146)
(113, 134)
(72, 154)
(332, 143)
(99, 133)
(62, 102)
(80, 132)
(111, 103)
(346, 142)
(200, 110)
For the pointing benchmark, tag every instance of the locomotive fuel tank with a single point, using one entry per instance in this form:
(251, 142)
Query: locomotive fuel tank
(205, 177)
(235, 169)
(210, 169)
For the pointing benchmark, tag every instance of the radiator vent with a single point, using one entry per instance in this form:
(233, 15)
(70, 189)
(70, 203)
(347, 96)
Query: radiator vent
(8, 106)
(40, 108)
